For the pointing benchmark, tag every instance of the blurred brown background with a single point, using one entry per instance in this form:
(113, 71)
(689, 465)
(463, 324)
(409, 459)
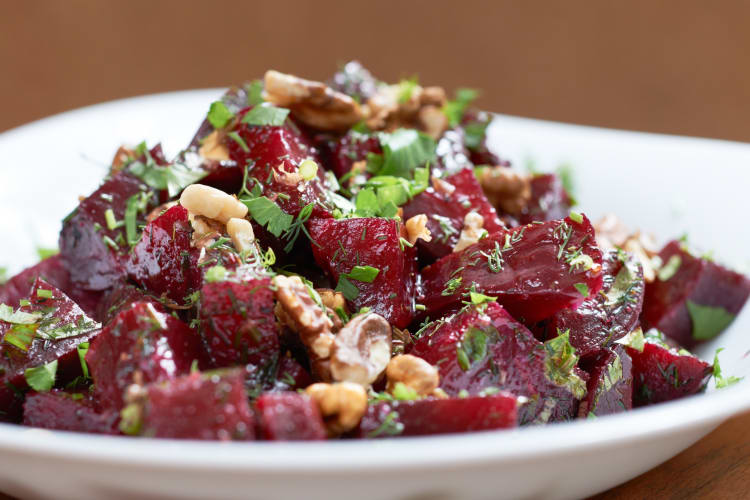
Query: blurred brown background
(673, 66)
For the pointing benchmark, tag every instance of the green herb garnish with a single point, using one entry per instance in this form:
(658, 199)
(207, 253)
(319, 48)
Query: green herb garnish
(708, 321)
(219, 115)
(266, 115)
(41, 378)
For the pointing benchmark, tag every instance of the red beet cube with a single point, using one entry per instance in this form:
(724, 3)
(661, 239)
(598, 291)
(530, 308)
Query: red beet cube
(446, 210)
(483, 347)
(351, 148)
(163, 261)
(288, 416)
(662, 373)
(534, 270)
(52, 334)
(608, 315)
(237, 321)
(693, 299)
(439, 416)
(209, 406)
(140, 345)
(122, 297)
(340, 245)
(94, 254)
(549, 200)
(68, 411)
(610, 385)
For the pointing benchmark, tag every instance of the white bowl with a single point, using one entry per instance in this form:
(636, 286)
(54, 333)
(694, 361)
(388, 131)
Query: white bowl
(666, 185)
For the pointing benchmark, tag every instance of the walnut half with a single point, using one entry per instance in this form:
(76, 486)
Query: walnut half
(361, 349)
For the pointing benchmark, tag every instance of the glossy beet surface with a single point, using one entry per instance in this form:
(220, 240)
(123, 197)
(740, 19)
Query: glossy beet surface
(477, 349)
(549, 200)
(610, 386)
(198, 406)
(351, 148)
(53, 335)
(140, 345)
(237, 322)
(534, 271)
(445, 207)
(693, 299)
(661, 373)
(288, 416)
(68, 411)
(608, 315)
(439, 416)
(339, 245)
(164, 261)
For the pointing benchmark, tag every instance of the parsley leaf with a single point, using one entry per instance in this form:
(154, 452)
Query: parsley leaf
(454, 110)
(46, 253)
(634, 340)
(216, 273)
(720, 380)
(560, 361)
(82, 349)
(474, 133)
(670, 268)
(405, 150)
(174, 178)
(366, 274)
(347, 288)
(582, 288)
(267, 213)
(219, 115)
(3, 275)
(708, 321)
(254, 93)
(266, 115)
(41, 378)
(18, 317)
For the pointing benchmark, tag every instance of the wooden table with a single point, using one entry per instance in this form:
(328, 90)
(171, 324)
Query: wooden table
(718, 466)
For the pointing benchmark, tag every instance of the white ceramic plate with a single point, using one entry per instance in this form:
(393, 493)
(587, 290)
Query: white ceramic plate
(667, 185)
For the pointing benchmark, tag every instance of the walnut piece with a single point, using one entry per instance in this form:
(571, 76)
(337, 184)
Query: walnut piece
(342, 405)
(212, 203)
(122, 157)
(415, 373)
(472, 231)
(612, 233)
(420, 107)
(313, 103)
(241, 232)
(416, 228)
(508, 190)
(213, 147)
(442, 187)
(361, 350)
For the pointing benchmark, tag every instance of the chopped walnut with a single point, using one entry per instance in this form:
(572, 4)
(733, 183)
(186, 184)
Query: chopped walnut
(416, 228)
(213, 147)
(442, 187)
(432, 121)
(508, 190)
(612, 233)
(212, 203)
(313, 103)
(415, 373)
(122, 157)
(241, 232)
(471, 232)
(304, 315)
(399, 340)
(388, 110)
(205, 230)
(357, 172)
(361, 350)
(342, 405)
(287, 178)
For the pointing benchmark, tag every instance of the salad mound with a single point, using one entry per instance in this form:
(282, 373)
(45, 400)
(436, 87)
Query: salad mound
(348, 260)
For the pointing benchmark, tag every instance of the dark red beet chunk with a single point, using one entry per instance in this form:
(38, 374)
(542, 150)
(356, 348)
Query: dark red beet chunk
(351, 148)
(141, 345)
(163, 261)
(446, 211)
(210, 406)
(94, 254)
(53, 271)
(439, 416)
(476, 350)
(610, 386)
(61, 325)
(237, 321)
(549, 200)
(288, 416)
(122, 297)
(68, 411)
(532, 270)
(273, 153)
(661, 373)
(610, 314)
(341, 244)
(692, 299)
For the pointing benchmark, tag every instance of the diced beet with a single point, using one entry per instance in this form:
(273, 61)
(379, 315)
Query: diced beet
(288, 416)
(549, 200)
(351, 148)
(610, 386)
(475, 125)
(141, 345)
(221, 174)
(483, 347)
(121, 297)
(534, 271)
(53, 271)
(452, 155)
(608, 315)
(446, 211)
(693, 299)
(339, 245)
(354, 80)
(210, 406)
(439, 416)
(163, 261)
(292, 375)
(273, 152)
(94, 264)
(662, 373)
(68, 411)
(235, 99)
(55, 336)
(238, 325)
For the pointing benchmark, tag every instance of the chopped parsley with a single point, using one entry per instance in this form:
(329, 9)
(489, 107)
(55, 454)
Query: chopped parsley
(406, 89)
(266, 115)
(708, 321)
(404, 150)
(576, 217)
(454, 109)
(582, 288)
(43, 293)
(239, 140)
(219, 115)
(216, 273)
(18, 317)
(452, 286)
(43, 253)
(174, 177)
(82, 349)
(348, 289)
(41, 378)
(390, 426)
(365, 274)
(254, 93)
(473, 347)
(720, 380)
(560, 361)
(402, 392)
(670, 268)
(3, 275)
(267, 213)
(634, 340)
